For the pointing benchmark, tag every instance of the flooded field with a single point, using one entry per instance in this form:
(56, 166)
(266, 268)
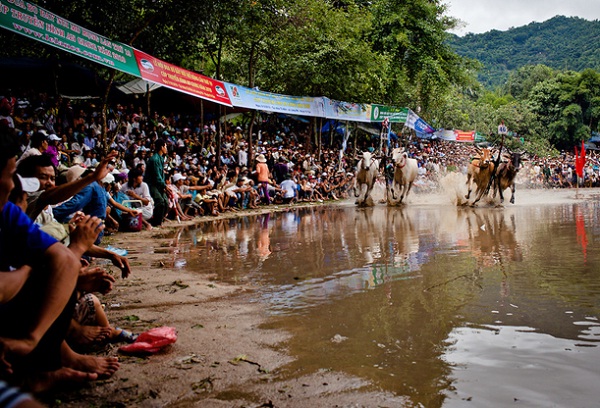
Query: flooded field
(438, 305)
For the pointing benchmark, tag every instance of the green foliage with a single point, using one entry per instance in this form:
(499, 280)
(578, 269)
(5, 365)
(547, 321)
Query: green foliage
(322, 51)
(560, 43)
(414, 35)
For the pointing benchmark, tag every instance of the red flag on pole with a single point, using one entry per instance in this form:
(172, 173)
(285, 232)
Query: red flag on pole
(580, 160)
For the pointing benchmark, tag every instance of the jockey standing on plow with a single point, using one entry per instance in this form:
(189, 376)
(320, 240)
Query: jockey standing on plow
(386, 166)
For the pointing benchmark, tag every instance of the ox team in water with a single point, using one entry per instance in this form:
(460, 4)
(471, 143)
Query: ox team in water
(488, 173)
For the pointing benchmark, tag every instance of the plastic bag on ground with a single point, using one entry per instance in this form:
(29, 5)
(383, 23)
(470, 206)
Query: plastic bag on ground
(151, 341)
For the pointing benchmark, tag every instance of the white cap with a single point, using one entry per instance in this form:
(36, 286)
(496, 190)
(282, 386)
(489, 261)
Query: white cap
(177, 177)
(29, 184)
(53, 137)
(109, 179)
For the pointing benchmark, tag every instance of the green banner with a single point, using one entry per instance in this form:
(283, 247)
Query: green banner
(394, 114)
(25, 18)
(480, 137)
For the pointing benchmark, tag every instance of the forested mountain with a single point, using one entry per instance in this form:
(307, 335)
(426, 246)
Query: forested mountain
(565, 43)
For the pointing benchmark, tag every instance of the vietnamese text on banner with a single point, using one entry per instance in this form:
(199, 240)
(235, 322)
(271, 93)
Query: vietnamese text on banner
(30, 20)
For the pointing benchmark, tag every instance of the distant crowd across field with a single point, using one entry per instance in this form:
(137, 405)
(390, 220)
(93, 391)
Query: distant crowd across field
(198, 183)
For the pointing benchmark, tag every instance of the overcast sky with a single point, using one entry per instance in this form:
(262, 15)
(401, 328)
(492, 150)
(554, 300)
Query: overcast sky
(480, 16)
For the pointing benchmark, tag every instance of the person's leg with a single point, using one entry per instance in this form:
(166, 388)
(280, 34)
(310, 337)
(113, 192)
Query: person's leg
(161, 206)
(89, 325)
(265, 189)
(16, 319)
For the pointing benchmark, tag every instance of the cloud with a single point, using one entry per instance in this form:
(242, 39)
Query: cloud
(480, 16)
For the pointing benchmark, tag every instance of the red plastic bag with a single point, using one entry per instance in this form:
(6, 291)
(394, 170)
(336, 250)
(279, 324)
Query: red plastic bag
(151, 341)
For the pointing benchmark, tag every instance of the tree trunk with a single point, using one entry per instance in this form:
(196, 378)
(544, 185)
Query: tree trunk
(219, 136)
(250, 141)
(104, 142)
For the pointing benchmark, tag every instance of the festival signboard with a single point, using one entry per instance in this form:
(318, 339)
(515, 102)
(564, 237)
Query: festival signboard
(345, 111)
(30, 20)
(480, 137)
(413, 121)
(244, 97)
(394, 114)
(158, 71)
(464, 136)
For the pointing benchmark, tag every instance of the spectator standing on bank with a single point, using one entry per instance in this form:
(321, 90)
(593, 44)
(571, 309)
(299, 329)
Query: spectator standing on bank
(262, 176)
(155, 178)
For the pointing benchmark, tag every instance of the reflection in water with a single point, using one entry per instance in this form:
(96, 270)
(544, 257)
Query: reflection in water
(410, 297)
(264, 242)
(581, 235)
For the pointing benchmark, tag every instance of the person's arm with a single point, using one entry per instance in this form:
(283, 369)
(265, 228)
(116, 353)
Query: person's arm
(61, 193)
(122, 207)
(200, 188)
(84, 234)
(133, 195)
(79, 200)
(183, 196)
(120, 262)
(12, 282)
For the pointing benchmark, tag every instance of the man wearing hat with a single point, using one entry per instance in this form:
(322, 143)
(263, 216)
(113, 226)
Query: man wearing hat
(262, 176)
(52, 149)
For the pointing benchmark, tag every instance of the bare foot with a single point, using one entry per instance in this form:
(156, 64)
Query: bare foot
(61, 377)
(87, 335)
(102, 366)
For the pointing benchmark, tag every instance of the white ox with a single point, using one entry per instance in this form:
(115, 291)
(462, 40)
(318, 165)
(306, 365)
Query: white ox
(366, 173)
(406, 170)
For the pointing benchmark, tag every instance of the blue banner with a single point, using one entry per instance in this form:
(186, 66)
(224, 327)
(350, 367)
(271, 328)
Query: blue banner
(414, 122)
(244, 97)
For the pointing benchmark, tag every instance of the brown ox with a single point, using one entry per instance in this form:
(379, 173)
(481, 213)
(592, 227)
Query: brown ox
(480, 172)
(505, 176)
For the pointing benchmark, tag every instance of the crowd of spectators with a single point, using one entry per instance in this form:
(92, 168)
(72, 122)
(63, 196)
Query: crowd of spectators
(60, 192)
(198, 182)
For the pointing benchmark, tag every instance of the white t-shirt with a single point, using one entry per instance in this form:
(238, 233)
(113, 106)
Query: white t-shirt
(290, 188)
(142, 190)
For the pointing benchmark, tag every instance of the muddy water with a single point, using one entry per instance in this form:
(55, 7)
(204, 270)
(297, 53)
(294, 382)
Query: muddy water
(446, 306)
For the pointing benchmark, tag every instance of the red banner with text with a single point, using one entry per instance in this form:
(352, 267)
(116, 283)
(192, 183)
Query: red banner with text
(174, 77)
(464, 136)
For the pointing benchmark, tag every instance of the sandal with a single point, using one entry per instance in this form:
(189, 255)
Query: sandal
(124, 336)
